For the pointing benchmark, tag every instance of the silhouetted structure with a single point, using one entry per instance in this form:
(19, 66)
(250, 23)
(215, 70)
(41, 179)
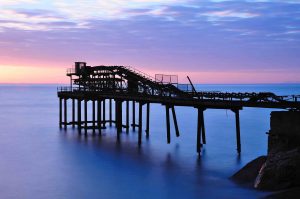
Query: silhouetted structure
(100, 84)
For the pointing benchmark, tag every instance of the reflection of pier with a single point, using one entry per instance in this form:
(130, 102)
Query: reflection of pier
(100, 85)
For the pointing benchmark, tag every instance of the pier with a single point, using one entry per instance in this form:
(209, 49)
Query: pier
(101, 85)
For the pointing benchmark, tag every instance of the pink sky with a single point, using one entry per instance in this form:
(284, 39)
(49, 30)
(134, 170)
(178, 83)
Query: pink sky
(210, 41)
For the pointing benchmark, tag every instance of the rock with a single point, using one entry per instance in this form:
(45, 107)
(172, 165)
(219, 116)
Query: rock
(280, 171)
(293, 193)
(249, 172)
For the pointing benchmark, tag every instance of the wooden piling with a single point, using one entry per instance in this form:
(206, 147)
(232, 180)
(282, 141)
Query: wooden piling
(99, 116)
(238, 132)
(110, 112)
(73, 112)
(118, 115)
(60, 112)
(203, 127)
(79, 115)
(133, 116)
(85, 116)
(175, 122)
(94, 115)
(140, 122)
(65, 113)
(103, 118)
(199, 128)
(127, 116)
(168, 124)
(147, 119)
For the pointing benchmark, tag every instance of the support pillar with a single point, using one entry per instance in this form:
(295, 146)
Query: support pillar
(127, 117)
(60, 113)
(147, 119)
(65, 113)
(94, 116)
(203, 127)
(140, 122)
(99, 116)
(168, 124)
(73, 113)
(133, 116)
(238, 131)
(85, 117)
(119, 116)
(79, 115)
(175, 122)
(104, 120)
(199, 128)
(110, 112)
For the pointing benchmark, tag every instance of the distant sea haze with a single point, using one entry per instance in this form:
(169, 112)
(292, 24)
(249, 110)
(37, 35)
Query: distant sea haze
(38, 160)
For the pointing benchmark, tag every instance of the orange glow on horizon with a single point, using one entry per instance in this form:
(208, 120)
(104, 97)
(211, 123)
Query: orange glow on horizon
(57, 75)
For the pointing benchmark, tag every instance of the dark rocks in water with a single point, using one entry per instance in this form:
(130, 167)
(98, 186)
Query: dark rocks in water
(248, 173)
(293, 193)
(280, 171)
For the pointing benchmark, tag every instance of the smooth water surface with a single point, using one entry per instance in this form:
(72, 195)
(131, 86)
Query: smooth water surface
(38, 160)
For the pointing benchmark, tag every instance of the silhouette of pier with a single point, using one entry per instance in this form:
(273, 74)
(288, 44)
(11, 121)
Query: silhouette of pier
(102, 84)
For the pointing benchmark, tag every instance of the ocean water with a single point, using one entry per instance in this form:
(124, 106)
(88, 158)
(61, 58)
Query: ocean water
(38, 160)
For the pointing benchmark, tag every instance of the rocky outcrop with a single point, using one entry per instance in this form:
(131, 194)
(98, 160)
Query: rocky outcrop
(248, 173)
(281, 168)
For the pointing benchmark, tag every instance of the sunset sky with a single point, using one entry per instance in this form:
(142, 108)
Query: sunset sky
(212, 41)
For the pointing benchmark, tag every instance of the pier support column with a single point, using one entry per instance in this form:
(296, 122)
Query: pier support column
(199, 128)
(65, 113)
(127, 116)
(110, 112)
(238, 131)
(140, 122)
(118, 116)
(85, 116)
(175, 122)
(94, 116)
(60, 113)
(168, 124)
(104, 119)
(73, 113)
(147, 120)
(133, 116)
(79, 115)
(203, 127)
(99, 120)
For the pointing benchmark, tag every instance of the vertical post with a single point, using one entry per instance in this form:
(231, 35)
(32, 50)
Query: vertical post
(110, 112)
(99, 116)
(119, 116)
(127, 116)
(60, 112)
(203, 127)
(238, 132)
(147, 119)
(199, 128)
(65, 113)
(73, 112)
(175, 122)
(85, 117)
(104, 120)
(94, 116)
(79, 115)
(140, 122)
(168, 124)
(133, 115)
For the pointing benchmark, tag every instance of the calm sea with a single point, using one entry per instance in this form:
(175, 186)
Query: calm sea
(38, 160)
